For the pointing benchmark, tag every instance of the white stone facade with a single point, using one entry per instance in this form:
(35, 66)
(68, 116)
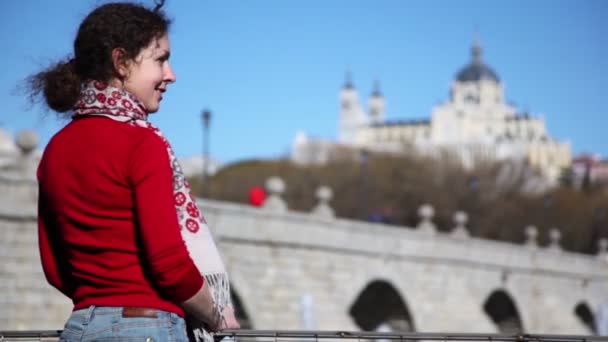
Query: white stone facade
(474, 124)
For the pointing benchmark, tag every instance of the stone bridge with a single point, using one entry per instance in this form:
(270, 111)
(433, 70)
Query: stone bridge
(294, 270)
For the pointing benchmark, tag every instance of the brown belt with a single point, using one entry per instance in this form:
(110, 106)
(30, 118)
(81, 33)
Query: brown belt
(132, 311)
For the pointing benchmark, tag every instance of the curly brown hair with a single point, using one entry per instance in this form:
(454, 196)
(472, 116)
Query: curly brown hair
(128, 26)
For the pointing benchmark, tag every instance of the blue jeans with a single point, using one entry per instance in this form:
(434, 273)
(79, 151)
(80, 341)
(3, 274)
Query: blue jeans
(105, 323)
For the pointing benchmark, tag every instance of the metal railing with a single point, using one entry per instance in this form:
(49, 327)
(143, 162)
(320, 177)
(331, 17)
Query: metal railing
(318, 336)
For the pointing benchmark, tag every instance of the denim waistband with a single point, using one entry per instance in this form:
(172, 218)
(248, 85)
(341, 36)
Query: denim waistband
(113, 310)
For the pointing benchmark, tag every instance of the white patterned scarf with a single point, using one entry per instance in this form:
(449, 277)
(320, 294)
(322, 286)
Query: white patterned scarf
(100, 99)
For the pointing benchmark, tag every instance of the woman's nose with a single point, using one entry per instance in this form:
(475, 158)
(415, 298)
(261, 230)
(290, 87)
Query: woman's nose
(170, 74)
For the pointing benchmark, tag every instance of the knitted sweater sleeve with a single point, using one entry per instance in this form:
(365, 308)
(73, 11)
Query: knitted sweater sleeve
(54, 261)
(165, 253)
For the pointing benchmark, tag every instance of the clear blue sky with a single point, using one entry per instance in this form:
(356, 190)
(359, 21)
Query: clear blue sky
(267, 69)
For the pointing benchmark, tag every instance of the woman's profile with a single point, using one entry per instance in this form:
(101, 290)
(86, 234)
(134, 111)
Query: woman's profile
(119, 231)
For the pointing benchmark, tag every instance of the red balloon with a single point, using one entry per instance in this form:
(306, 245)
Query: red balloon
(257, 195)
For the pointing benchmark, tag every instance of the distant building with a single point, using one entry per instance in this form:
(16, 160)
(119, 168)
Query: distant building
(593, 168)
(307, 150)
(474, 124)
(193, 166)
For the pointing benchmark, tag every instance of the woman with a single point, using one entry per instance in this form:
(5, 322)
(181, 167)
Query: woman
(117, 224)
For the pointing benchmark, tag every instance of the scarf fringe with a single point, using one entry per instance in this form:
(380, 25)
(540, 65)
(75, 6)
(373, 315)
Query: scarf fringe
(220, 289)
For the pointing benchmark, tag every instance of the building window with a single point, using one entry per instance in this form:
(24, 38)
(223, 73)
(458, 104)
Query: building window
(470, 98)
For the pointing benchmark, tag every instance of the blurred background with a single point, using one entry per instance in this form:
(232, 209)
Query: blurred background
(494, 108)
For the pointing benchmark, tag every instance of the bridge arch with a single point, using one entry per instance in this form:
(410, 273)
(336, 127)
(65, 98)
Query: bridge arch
(380, 306)
(501, 309)
(585, 315)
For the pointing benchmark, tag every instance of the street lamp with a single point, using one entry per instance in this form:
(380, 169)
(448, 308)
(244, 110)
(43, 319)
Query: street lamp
(206, 116)
(364, 200)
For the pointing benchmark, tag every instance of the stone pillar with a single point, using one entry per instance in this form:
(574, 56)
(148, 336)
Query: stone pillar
(27, 141)
(531, 237)
(460, 230)
(426, 225)
(275, 187)
(554, 237)
(602, 249)
(322, 209)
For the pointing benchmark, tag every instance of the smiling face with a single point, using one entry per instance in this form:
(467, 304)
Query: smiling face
(148, 75)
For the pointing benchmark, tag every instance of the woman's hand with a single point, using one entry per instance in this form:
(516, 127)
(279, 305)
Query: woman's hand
(226, 321)
(229, 320)
(202, 308)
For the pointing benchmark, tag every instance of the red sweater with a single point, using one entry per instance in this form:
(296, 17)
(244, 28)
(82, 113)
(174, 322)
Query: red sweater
(108, 229)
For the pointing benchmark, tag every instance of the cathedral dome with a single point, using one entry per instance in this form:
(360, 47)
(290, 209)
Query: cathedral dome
(476, 70)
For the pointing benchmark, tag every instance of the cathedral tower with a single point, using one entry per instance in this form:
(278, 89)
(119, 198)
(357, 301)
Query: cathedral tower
(376, 105)
(352, 117)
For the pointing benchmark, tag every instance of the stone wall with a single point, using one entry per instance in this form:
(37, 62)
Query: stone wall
(276, 259)
(295, 270)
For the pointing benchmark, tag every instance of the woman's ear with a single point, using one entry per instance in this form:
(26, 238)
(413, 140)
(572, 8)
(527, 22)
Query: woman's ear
(121, 65)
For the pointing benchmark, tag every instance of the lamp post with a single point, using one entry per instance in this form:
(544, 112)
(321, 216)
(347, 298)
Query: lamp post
(206, 117)
(364, 200)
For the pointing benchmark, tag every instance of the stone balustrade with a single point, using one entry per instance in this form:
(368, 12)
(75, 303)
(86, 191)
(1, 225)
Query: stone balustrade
(278, 257)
